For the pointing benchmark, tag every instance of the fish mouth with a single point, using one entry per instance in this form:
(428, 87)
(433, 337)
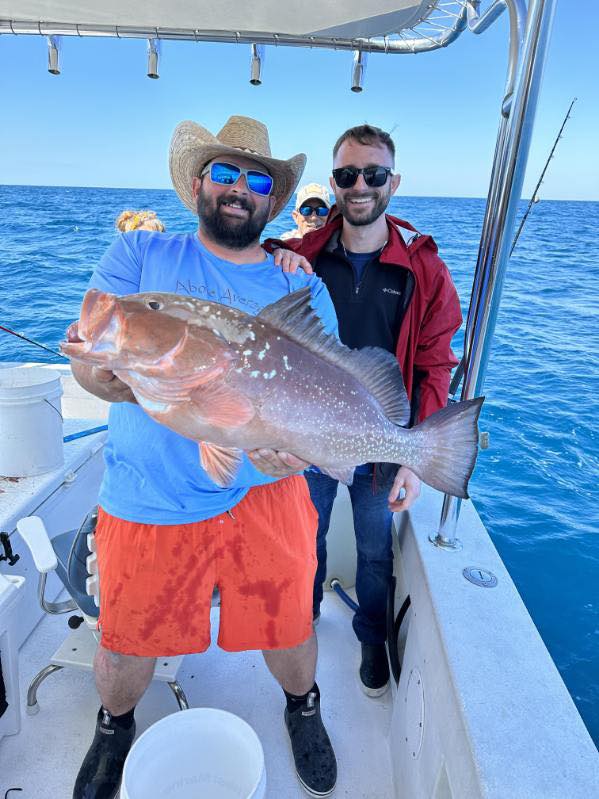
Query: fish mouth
(96, 336)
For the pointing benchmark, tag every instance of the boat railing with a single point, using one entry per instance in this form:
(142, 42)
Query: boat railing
(511, 154)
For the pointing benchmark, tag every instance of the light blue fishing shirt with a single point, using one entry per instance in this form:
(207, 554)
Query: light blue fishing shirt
(153, 475)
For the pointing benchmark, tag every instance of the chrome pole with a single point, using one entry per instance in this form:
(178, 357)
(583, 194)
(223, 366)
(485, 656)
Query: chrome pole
(511, 155)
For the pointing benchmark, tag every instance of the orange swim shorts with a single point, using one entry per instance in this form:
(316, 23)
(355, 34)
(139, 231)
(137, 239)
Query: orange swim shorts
(156, 581)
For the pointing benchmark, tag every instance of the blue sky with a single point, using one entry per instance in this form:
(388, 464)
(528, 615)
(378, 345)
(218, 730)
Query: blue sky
(102, 122)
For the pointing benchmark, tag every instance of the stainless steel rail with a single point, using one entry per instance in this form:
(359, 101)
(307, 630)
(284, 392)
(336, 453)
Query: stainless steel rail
(511, 155)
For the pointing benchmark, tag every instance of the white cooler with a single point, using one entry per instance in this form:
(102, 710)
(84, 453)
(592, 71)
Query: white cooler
(10, 595)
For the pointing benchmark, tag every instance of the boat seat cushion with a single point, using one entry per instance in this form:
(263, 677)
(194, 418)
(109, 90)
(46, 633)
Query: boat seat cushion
(71, 552)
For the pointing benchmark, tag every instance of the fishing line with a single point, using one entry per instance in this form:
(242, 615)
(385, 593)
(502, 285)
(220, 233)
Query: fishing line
(31, 341)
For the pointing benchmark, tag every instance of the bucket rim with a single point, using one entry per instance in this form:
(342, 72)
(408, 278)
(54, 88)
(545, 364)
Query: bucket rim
(40, 377)
(206, 712)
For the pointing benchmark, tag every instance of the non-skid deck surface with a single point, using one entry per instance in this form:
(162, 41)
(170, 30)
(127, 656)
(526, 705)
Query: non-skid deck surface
(43, 759)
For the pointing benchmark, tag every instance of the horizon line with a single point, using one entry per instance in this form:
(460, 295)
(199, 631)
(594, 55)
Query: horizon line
(147, 188)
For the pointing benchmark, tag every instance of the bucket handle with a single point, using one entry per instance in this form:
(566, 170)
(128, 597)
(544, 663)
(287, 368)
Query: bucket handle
(57, 411)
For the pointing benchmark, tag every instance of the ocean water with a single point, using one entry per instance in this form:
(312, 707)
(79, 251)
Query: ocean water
(536, 487)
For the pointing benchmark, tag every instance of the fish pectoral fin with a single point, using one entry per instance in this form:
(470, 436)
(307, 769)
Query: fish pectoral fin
(220, 463)
(345, 475)
(222, 407)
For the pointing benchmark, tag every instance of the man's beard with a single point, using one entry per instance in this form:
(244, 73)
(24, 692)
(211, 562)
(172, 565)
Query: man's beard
(228, 231)
(353, 215)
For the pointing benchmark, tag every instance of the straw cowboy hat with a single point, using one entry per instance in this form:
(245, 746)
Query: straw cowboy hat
(192, 147)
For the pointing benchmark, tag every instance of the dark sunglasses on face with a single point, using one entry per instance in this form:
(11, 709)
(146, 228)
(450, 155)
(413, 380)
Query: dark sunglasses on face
(228, 174)
(308, 210)
(374, 176)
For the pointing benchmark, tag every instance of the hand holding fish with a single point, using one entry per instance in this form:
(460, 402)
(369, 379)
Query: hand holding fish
(291, 261)
(102, 383)
(410, 482)
(276, 464)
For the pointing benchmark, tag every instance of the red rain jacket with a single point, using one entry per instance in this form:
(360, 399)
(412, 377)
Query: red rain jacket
(431, 318)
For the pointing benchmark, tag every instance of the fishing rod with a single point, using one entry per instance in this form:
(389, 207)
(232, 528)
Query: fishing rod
(459, 372)
(534, 199)
(31, 341)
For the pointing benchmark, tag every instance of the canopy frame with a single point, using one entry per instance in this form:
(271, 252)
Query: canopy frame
(443, 23)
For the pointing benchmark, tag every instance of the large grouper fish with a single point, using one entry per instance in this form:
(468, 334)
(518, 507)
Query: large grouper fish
(235, 382)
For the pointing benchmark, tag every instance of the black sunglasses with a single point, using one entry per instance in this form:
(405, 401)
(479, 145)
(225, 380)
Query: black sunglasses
(307, 210)
(374, 176)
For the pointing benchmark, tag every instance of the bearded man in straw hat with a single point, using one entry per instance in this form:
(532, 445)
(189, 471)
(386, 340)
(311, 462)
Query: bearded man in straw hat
(167, 534)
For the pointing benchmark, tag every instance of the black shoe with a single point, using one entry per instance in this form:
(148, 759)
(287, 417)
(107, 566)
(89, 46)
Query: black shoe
(374, 669)
(315, 617)
(315, 761)
(100, 773)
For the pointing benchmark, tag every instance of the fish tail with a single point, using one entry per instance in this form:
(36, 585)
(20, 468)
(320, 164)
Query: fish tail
(447, 451)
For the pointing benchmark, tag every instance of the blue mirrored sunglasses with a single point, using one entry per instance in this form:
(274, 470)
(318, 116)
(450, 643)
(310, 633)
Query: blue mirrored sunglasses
(228, 174)
(307, 210)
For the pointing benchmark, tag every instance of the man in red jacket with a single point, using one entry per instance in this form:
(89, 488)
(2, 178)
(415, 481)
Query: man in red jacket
(390, 289)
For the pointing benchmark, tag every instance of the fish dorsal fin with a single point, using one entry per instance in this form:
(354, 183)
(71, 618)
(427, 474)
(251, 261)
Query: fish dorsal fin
(375, 368)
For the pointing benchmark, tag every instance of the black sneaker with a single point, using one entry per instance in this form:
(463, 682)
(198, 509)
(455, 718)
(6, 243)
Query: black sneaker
(100, 773)
(315, 761)
(374, 669)
(315, 617)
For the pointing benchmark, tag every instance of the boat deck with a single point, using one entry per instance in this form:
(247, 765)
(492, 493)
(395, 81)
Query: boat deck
(43, 759)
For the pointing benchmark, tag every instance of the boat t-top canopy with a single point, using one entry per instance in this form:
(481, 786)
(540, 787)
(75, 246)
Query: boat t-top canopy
(392, 26)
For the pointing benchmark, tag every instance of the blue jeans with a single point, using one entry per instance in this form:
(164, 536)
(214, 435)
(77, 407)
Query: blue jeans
(372, 524)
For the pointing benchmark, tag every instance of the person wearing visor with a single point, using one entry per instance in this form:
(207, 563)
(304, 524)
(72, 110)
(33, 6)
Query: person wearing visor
(312, 207)
(167, 534)
(391, 290)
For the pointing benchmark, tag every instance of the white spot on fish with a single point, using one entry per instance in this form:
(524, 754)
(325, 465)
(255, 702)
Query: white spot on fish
(254, 374)
(286, 363)
(261, 355)
(269, 375)
(267, 346)
(247, 352)
(206, 308)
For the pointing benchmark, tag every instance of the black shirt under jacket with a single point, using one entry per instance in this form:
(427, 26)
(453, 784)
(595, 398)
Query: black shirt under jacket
(370, 312)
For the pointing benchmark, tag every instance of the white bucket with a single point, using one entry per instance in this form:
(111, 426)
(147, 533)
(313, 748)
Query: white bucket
(30, 421)
(202, 753)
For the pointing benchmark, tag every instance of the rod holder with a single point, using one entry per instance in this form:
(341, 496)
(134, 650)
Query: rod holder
(258, 54)
(153, 58)
(54, 55)
(358, 70)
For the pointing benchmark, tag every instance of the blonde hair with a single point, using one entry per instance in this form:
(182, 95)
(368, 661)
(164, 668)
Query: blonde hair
(138, 220)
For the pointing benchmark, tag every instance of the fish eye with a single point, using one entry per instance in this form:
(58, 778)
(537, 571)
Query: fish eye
(154, 305)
